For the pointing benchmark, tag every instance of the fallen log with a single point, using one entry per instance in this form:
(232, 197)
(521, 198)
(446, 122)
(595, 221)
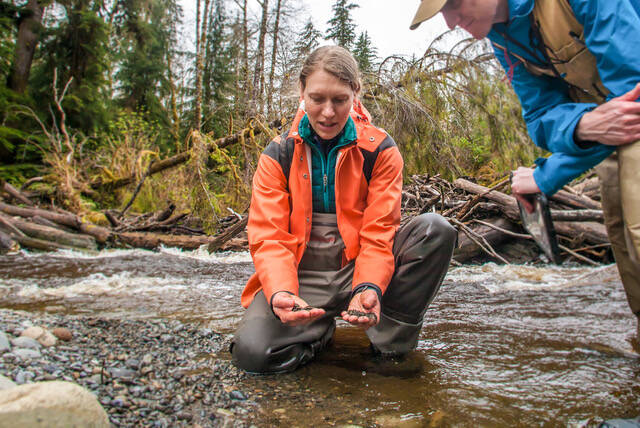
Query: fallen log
(575, 201)
(100, 234)
(577, 215)
(151, 241)
(51, 234)
(468, 248)
(232, 231)
(7, 243)
(578, 232)
(15, 193)
(181, 158)
(507, 204)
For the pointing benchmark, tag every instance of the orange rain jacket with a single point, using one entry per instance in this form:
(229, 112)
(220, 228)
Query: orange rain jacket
(368, 213)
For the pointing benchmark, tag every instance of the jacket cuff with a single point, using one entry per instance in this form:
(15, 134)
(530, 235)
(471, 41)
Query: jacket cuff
(271, 302)
(365, 286)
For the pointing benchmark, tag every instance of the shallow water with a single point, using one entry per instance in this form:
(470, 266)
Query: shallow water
(501, 345)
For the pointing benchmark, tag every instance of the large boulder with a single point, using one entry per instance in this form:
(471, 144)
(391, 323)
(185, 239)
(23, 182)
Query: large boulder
(51, 404)
(6, 383)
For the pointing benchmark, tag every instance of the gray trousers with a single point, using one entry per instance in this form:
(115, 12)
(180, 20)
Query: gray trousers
(422, 250)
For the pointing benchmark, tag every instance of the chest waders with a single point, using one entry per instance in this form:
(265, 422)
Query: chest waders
(422, 251)
(563, 54)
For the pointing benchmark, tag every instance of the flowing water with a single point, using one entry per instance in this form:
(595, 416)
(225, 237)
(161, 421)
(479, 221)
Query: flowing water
(501, 345)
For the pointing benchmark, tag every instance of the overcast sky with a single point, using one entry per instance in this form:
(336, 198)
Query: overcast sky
(387, 23)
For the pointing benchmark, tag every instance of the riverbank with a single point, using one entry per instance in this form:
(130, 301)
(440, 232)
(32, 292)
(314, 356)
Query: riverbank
(160, 373)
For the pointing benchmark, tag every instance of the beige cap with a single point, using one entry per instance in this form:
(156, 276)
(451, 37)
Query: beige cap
(427, 9)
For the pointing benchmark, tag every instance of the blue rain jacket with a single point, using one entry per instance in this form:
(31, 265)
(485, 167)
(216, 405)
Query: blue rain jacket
(612, 34)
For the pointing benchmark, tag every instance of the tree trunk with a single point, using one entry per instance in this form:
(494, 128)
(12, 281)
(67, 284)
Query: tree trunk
(28, 35)
(588, 231)
(577, 215)
(507, 203)
(575, 201)
(154, 240)
(101, 234)
(201, 43)
(258, 70)
(468, 249)
(46, 233)
(7, 243)
(175, 125)
(274, 51)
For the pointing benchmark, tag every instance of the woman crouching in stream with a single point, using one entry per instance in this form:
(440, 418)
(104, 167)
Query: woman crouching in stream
(325, 236)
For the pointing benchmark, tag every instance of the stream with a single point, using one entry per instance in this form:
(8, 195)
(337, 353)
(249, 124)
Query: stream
(502, 345)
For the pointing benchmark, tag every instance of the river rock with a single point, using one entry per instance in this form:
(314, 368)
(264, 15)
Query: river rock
(43, 336)
(26, 354)
(5, 346)
(62, 333)
(33, 332)
(60, 404)
(25, 342)
(6, 383)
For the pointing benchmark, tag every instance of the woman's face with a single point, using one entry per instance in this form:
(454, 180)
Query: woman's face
(328, 101)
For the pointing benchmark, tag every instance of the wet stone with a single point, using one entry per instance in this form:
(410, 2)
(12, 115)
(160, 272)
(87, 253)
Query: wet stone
(26, 354)
(147, 359)
(23, 377)
(184, 416)
(5, 346)
(122, 374)
(25, 342)
(237, 395)
(62, 333)
(132, 363)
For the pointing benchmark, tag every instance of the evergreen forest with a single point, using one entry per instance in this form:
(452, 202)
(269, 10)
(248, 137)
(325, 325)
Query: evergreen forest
(104, 100)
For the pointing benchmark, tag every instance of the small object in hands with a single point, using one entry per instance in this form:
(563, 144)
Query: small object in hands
(297, 307)
(369, 315)
(539, 225)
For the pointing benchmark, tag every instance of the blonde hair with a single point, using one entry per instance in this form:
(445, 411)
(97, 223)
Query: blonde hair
(336, 61)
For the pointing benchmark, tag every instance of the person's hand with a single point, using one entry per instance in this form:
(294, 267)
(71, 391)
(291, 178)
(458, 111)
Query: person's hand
(283, 303)
(614, 123)
(522, 184)
(365, 302)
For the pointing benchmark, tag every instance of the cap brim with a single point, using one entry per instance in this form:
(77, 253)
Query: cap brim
(426, 10)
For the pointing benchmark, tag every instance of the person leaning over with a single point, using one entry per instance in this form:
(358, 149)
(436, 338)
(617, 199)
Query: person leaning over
(325, 236)
(574, 66)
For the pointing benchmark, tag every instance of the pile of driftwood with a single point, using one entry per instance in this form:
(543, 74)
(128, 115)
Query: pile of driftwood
(24, 225)
(487, 220)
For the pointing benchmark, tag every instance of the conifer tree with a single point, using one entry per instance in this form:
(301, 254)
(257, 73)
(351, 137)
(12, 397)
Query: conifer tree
(365, 53)
(149, 35)
(76, 45)
(341, 27)
(218, 71)
(307, 41)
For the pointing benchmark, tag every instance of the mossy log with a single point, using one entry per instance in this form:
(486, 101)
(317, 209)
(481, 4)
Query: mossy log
(51, 234)
(100, 234)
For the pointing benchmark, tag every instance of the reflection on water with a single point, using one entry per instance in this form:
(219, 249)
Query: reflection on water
(501, 345)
